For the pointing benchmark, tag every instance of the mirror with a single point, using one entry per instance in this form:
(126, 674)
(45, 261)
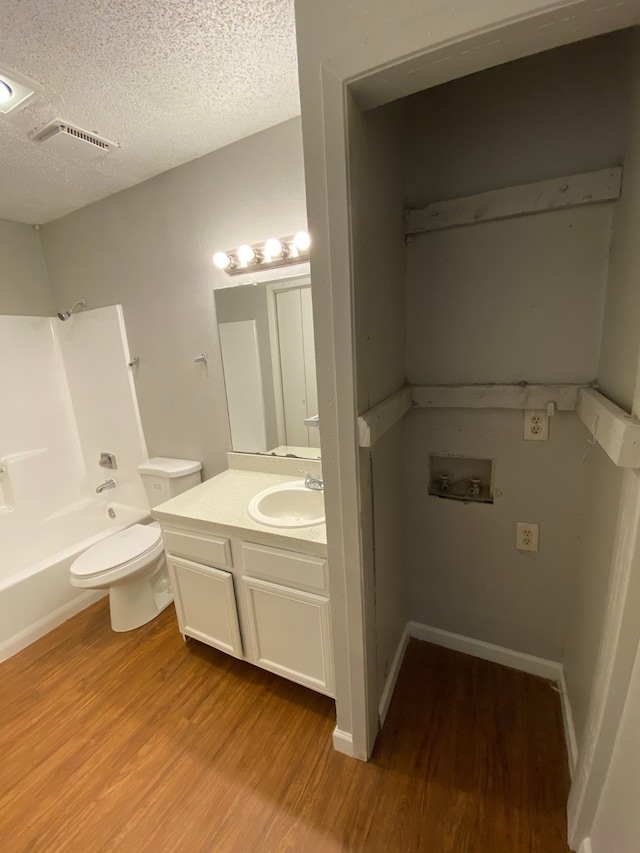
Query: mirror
(268, 359)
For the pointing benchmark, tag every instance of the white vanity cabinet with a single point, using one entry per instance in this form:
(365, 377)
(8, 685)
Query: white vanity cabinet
(265, 605)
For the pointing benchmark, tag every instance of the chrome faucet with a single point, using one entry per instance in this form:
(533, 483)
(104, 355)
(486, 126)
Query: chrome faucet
(108, 484)
(311, 482)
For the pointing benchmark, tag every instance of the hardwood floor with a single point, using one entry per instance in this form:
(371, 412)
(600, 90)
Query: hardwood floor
(137, 742)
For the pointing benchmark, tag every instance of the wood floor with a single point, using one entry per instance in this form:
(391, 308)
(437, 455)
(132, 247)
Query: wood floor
(137, 742)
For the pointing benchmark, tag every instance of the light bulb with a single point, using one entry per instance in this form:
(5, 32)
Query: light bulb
(273, 248)
(222, 260)
(6, 92)
(302, 241)
(245, 254)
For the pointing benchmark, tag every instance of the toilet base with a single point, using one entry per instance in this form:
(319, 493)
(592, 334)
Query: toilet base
(138, 601)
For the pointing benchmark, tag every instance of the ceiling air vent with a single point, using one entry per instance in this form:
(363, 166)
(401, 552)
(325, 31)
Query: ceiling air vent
(72, 141)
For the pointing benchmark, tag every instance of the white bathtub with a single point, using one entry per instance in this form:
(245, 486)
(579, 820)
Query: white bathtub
(35, 598)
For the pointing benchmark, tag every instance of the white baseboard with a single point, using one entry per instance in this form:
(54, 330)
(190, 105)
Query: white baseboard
(569, 730)
(343, 742)
(585, 847)
(392, 677)
(34, 632)
(487, 651)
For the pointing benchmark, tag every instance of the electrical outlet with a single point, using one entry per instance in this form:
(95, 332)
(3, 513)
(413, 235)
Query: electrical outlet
(536, 425)
(527, 536)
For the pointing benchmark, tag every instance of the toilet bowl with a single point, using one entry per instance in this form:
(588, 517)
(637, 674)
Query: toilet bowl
(131, 564)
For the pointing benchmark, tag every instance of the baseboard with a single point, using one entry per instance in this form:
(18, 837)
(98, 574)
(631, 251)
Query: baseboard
(392, 677)
(569, 730)
(34, 632)
(343, 742)
(487, 651)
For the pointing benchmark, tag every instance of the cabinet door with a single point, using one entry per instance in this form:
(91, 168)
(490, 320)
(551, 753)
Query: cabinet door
(289, 633)
(206, 604)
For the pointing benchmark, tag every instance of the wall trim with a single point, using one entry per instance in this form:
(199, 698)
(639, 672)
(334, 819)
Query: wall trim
(392, 677)
(487, 651)
(343, 742)
(34, 632)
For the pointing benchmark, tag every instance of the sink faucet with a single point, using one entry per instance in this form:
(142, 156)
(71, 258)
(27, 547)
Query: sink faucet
(108, 484)
(312, 482)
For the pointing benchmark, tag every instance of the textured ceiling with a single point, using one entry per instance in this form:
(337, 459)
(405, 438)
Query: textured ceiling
(169, 80)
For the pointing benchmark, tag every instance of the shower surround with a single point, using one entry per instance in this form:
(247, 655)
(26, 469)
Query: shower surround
(68, 394)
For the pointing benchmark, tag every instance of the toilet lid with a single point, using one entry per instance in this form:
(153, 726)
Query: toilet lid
(114, 551)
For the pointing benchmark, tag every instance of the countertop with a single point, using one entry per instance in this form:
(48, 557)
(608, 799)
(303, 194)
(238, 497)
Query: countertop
(223, 500)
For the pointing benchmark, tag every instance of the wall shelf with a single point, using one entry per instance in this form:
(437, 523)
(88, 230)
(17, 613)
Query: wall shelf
(617, 432)
(539, 197)
(373, 423)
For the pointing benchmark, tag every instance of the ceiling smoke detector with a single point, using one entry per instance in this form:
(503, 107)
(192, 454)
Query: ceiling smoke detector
(72, 141)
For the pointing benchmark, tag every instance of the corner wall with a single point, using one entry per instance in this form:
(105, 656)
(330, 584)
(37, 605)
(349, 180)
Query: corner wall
(150, 247)
(24, 286)
(379, 270)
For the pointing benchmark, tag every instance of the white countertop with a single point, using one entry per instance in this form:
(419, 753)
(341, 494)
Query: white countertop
(223, 500)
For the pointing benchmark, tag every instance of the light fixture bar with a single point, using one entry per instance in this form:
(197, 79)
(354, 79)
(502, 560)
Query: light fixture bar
(273, 253)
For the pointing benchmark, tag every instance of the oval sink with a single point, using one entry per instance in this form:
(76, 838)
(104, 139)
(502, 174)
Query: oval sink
(288, 505)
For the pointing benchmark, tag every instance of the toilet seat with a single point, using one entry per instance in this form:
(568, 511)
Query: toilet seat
(120, 555)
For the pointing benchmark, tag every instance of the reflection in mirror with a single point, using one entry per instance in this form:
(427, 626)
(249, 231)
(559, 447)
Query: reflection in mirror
(268, 358)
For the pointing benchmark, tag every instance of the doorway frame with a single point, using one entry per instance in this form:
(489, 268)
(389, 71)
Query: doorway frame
(349, 75)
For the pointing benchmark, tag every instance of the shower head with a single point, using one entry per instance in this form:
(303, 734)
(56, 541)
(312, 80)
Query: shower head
(64, 315)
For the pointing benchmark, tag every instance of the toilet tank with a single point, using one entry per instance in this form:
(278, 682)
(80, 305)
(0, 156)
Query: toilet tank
(164, 478)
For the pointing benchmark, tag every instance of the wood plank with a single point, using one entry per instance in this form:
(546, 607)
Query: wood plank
(139, 742)
(539, 197)
(373, 423)
(616, 431)
(521, 396)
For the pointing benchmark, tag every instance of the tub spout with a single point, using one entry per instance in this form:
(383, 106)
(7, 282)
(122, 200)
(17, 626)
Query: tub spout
(108, 484)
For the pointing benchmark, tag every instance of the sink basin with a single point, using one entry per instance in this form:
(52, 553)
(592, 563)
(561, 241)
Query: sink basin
(288, 505)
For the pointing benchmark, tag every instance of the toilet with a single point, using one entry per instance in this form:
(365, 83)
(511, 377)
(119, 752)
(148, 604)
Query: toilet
(131, 564)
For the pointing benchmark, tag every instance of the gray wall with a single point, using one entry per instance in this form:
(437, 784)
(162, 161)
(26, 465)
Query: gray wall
(24, 287)
(150, 248)
(588, 605)
(521, 299)
(604, 523)
(379, 262)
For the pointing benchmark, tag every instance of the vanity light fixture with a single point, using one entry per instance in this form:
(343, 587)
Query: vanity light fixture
(273, 253)
(16, 90)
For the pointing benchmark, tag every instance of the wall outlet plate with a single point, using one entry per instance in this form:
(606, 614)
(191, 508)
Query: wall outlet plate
(527, 536)
(536, 425)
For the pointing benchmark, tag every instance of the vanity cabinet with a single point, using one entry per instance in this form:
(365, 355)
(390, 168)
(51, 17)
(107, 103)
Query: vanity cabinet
(262, 604)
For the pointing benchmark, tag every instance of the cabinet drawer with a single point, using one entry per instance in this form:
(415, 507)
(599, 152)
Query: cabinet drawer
(287, 567)
(212, 550)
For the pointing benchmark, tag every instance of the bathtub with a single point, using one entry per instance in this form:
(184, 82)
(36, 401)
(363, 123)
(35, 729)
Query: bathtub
(35, 594)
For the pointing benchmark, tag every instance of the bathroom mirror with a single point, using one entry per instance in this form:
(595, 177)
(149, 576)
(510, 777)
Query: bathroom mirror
(268, 358)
